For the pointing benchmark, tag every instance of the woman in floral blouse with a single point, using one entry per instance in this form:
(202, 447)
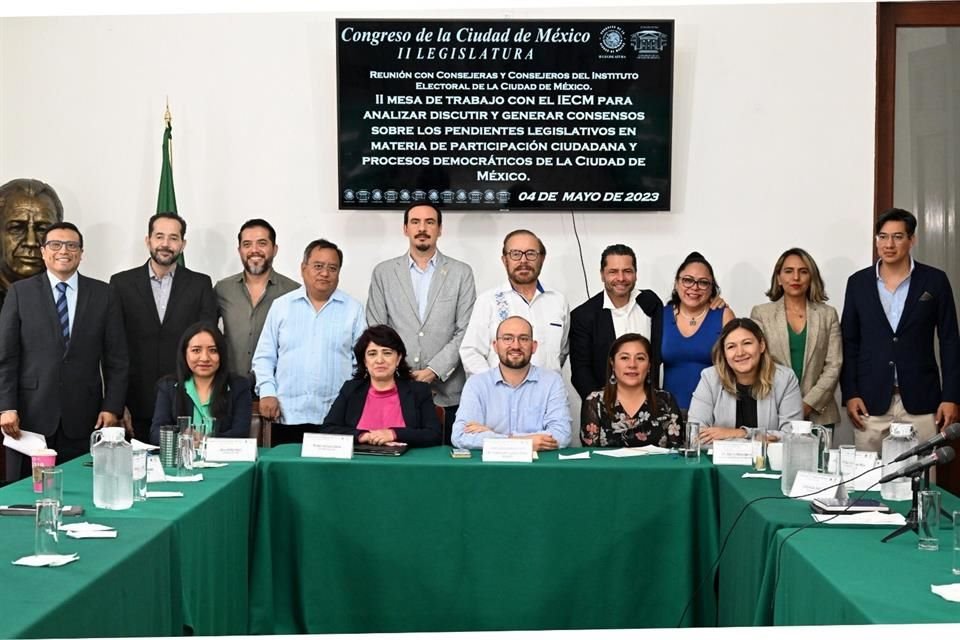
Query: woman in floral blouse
(628, 411)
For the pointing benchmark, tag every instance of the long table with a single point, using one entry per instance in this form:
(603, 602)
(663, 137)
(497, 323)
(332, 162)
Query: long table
(428, 543)
(207, 555)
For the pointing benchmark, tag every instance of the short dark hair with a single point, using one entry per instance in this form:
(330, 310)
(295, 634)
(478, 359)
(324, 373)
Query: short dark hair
(384, 336)
(257, 222)
(617, 250)
(897, 215)
(32, 188)
(517, 232)
(321, 244)
(69, 226)
(171, 216)
(695, 257)
(406, 213)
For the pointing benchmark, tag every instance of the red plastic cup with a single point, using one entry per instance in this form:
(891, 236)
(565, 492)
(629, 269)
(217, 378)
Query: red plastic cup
(38, 460)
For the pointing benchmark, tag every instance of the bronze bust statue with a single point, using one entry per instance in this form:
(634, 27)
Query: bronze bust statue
(27, 209)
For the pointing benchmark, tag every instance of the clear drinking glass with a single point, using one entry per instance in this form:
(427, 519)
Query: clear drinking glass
(759, 439)
(139, 475)
(956, 543)
(185, 455)
(928, 520)
(51, 481)
(47, 531)
(693, 440)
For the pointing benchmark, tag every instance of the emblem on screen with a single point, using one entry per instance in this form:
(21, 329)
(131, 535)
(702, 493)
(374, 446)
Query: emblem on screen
(612, 39)
(648, 44)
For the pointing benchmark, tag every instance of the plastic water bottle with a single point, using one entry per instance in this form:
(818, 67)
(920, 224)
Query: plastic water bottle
(112, 469)
(902, 438)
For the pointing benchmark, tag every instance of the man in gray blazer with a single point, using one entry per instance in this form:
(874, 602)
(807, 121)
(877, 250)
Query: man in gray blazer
(427, 298)
(59, 331)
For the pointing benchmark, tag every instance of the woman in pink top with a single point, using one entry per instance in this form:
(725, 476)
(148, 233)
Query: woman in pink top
(383, 403)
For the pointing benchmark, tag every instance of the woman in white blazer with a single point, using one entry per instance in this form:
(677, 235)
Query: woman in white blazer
(803, 333)
(744, 389)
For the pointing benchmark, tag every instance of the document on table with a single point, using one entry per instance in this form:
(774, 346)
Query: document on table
(143, 446)
(583, 455)
(869, 517)
(623, 452)
(27, 444)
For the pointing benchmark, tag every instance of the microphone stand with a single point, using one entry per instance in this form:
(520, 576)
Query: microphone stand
(912, 522)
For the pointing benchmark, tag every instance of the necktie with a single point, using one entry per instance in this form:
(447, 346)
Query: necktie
(62, 314)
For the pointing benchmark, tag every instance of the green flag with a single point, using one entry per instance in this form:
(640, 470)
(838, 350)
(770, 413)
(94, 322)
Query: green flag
(167, 198)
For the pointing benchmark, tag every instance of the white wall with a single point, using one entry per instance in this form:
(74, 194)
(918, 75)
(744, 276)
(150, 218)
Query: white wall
(773, 143)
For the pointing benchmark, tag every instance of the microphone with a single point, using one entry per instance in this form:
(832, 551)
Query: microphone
(950, 433)
(939, 456)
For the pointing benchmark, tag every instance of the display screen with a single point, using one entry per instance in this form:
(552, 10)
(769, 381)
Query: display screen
(505, 115)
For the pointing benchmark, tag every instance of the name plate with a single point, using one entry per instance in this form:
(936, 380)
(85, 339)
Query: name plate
(155, 470)
(231, 450)
(327, 445)
(733, 452)
(867, 461)
(507, 450)
(810, 484)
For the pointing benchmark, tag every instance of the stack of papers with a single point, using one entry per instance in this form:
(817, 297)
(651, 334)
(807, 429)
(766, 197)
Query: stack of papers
(203, 464)
(46, 561)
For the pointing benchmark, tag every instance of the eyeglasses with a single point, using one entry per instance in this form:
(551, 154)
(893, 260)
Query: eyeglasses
(510, 339)
(317, 267)
(516, 254)
(70, 245)
(898, 238)
(703, 284)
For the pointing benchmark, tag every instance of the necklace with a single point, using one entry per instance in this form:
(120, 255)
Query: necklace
(693, 319)
(800, 313)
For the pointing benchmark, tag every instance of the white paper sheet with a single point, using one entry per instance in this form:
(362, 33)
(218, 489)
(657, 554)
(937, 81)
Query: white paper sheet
(197, 477)
(46, 561)
(79, 535)
(624, 452)
(867, 517)
(27, 444)
(770, 476)
(138, 446)
(164, 494)
(583, 455)
(949, 592)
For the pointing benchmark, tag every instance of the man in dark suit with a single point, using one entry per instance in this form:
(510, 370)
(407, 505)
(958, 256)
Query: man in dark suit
(58, 331)
(616, 310)
(159, 300)
(890, 313)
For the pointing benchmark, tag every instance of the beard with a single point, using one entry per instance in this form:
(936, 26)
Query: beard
(256, 270)
(162, 261)
(514, 361)
(524, 277)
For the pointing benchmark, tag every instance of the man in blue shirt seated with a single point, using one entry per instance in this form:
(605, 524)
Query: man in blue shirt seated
(514, 399)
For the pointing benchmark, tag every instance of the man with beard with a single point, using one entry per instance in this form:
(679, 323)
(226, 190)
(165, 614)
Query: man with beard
(426, 297)
(523, 295)
(158, 300)
(515, 399)
(27, 209)
(616, 310)
(244, 298)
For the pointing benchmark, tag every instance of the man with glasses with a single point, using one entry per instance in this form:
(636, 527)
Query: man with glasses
(522, 295)
(305, 351)
(890, 313)
(158, 300)
(427, 298)
(63, 355)
(616, 310)
(514, 399)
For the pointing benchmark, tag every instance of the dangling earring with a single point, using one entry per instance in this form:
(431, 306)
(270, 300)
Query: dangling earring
(396, 373)
(613, 379)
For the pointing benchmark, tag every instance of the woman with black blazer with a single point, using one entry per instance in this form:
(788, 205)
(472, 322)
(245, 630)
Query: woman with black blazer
(203, 388)
(383, 403)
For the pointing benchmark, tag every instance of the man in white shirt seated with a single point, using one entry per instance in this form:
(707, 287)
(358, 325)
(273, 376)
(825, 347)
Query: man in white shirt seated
(514, 399)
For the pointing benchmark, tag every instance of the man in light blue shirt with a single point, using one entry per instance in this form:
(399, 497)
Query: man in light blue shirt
(305, 352)
(514, 399)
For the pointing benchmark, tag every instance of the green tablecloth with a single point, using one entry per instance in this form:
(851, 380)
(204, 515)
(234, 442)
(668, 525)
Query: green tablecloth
(120, 587)
(847, 576)
(210, 528)
(428, 543)
(747, 573)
